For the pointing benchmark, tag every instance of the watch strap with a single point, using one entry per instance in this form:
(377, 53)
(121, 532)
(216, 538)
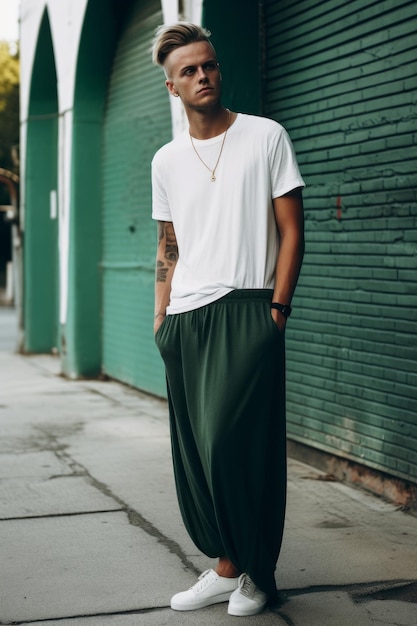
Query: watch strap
(285, 309)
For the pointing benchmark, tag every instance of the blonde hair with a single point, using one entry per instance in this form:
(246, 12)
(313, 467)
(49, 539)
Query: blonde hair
(169, 37)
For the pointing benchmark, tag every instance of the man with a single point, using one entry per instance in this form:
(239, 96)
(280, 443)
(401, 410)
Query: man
(227, 197)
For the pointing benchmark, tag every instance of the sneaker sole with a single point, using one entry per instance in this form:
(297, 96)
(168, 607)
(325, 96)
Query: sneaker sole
(245, 612)
(224, 597)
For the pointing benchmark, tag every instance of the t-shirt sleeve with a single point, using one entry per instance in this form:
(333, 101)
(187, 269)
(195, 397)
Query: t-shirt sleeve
(160, 205)
(285, 173)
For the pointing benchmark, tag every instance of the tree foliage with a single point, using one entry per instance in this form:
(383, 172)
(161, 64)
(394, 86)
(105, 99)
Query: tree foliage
(9, 104)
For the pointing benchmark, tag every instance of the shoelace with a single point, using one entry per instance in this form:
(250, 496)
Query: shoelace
(246, 585)
(204, 580)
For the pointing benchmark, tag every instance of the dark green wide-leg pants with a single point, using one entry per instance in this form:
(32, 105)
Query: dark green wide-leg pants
(225, 366)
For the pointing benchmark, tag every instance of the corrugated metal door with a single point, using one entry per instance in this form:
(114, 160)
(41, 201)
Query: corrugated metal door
(137, 123)
(342, 77)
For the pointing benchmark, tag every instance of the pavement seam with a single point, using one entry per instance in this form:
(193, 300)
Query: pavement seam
(296, 591)
(88, 616)
(359, 592)
(285, 618)
(134, 517)
(361, 588)
(55, 515)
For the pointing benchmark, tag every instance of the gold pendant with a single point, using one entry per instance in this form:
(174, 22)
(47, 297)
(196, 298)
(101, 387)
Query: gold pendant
(212, 171)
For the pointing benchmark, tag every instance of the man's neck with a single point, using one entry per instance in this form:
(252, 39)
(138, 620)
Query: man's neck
(208, 124)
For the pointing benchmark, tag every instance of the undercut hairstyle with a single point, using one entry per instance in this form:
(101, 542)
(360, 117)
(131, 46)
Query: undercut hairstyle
(169, 37)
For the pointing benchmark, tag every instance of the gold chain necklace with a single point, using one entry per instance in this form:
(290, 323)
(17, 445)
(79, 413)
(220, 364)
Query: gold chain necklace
(213, 171)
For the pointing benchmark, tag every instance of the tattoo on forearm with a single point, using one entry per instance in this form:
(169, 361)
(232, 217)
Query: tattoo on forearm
(166, 231)
(171, 254)
(161, 272)
(171, 248)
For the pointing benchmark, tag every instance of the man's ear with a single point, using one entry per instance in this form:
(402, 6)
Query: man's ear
(170, 86)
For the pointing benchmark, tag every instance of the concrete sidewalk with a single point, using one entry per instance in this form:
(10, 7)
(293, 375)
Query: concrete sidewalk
(90, 532)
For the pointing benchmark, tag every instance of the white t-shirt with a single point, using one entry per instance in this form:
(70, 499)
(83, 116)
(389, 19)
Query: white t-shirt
(226, 231)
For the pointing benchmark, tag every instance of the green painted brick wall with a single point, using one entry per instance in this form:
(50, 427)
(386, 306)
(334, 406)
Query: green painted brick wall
(341, 77)
(137, 122)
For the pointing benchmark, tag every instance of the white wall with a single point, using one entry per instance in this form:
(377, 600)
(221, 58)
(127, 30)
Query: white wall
(66, 20)
(193, 10)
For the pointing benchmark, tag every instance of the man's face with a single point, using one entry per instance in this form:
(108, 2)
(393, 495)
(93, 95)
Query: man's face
(194, 75)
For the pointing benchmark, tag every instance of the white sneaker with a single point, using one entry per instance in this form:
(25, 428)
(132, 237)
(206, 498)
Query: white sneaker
(209, 589)
(247, 599)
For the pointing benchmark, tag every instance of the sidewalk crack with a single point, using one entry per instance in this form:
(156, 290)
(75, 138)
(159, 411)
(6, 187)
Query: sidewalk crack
(135, 518)
(401, 589)
(87, 616)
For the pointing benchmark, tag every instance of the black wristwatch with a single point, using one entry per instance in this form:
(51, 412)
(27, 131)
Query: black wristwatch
(284, 308)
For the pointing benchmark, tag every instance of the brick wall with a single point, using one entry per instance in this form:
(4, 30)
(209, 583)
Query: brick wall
(341, 77)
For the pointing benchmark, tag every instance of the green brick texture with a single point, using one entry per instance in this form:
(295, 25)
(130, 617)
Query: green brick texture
(137, 122)
(342, 78)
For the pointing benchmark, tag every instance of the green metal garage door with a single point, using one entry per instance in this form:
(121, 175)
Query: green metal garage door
(137, 123)
(341, 76)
